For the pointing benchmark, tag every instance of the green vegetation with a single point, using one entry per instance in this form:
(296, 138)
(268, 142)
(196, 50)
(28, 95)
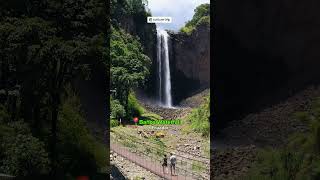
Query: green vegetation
(117, 110)
(151, 116)
(22, 153)
(130, 144)
(153, 147)
(206, 148)
(128, 21)
(44, 47)
(134, 108)
(199, 118)
(79, 151)
(198, 167)
(114, 123)
(161, 147)
(201, 16)
(129, 69)
(127, 8)
(137, 178)
(300, 159)
(124, 12)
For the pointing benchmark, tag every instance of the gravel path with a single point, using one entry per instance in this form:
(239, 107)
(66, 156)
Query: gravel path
(130, 169)
(146, 163)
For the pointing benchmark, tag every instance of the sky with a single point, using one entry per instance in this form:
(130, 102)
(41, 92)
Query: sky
(181, 11)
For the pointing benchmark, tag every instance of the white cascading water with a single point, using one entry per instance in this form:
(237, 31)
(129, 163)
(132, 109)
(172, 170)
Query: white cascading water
(164, 78)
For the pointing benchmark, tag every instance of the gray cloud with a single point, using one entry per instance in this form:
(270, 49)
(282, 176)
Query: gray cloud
(181, 11)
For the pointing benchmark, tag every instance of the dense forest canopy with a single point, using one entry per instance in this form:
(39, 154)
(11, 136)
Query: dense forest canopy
(45, 45)
(130, 64)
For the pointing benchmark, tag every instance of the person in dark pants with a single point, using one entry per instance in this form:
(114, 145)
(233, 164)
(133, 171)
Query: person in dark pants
(164, 163)
(173, 161)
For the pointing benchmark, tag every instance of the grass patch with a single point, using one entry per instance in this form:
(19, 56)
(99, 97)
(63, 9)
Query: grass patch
(199, 118)
(299, 159)
(150, 116)
(129, 144)
(114, 123)
(198, 166)
(206, 149)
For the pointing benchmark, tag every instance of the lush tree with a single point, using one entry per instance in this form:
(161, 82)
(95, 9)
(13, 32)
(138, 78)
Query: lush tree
(201, 16)
(134, 11)
(23, 154)
(43, 46)
(129, 66)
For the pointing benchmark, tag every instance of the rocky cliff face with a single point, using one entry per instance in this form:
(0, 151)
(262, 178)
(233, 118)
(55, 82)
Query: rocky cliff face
(190, 62)
(264, 51)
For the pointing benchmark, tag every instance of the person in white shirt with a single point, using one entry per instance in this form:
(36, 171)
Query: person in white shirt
(173, 161)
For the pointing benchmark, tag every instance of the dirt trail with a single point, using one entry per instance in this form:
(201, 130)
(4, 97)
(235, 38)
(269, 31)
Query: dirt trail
(234, 149)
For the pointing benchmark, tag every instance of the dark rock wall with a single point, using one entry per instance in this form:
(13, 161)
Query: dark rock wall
(190, 62)
(263, 52)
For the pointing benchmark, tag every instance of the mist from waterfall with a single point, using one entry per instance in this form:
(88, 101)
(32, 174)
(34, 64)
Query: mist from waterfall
(163, 68)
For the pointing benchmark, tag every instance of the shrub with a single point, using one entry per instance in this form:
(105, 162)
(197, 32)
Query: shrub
(79, 151)
(134, 108)
(299, 159)
(204, 20)
(187, 30)
(117, 110)
(114, 123)
(23, 154)
(151, 116)
(199, 118)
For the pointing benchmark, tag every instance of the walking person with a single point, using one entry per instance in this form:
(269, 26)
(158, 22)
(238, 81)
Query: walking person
(173, 161)
(165, 164)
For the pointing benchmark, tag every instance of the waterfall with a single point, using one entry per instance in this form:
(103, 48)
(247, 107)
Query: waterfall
(163, 67)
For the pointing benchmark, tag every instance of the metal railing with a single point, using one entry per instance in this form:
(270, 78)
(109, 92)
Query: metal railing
(193, 157)
(184, 168)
